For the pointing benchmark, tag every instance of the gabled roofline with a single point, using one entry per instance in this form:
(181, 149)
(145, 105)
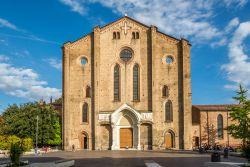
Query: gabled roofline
(142, 24)
(127, 18)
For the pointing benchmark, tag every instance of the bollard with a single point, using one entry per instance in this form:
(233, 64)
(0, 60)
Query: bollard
(226, 152)
(215, 157)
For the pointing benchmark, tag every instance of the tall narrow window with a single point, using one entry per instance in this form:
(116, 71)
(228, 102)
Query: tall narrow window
(117, 83)
(88, 92)
(168, 111)
(164, 91)
(220, 126)
(137, 35)
(118, 35)
(133, 35)
(114, 35)
(85, 112)
(136, 74)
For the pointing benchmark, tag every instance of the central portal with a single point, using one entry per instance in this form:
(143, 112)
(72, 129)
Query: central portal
(125, 122)
(126, 138)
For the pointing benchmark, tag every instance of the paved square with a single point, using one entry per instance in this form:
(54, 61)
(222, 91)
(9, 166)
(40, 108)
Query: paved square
(130, 158)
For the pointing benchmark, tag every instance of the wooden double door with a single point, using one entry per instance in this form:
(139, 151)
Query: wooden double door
(126, 138)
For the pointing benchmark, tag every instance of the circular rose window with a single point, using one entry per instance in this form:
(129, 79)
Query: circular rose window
(84, 61)
(169, 60)
(126, 55)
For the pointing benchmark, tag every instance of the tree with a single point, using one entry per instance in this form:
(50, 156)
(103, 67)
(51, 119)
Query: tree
(209, 134)
(240, 115)
(58, 101)
(21, 121)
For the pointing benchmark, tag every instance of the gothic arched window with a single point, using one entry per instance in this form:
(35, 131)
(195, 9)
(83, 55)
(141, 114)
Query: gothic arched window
(136, 84)
(164, 91)
(168, 111)
(88, 92)
(117, 83)
(85, 112)
(220, 126)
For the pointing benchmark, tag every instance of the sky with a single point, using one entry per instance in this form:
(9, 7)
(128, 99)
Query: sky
(33, 32)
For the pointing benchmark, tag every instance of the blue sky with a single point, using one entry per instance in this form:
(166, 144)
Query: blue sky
(32, 33)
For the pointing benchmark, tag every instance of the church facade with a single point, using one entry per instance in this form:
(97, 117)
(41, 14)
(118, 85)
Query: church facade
(127, 86)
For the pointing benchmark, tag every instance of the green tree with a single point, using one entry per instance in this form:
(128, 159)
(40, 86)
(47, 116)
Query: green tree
(58, 101)
(57, 139)
(240, 115)
(21, 121)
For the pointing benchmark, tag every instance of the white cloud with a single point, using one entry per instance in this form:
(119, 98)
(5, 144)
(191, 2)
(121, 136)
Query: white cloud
(29, 37)
(55, 63)
(7, 24)
(3, 58)
(232, 24)
(221, 42)
(75, 6)
(181, 18)
(238, 69)
(25, 83)
(235, 2)
(25, 34)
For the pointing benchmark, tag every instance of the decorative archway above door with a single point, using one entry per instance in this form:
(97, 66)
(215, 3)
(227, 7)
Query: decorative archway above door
(84, 140)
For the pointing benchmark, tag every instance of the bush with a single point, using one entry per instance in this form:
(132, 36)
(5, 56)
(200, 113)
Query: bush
(15, 153)
(27, 144)
(6, 141)
(246, 151)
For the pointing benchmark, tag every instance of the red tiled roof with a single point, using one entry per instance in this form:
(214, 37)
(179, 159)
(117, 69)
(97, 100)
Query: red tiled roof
(214, 107)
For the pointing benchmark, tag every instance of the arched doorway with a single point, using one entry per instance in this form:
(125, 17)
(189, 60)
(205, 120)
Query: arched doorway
(169, 139)
(84, 141)
(126, 132)
(146, 136)
(125, 122)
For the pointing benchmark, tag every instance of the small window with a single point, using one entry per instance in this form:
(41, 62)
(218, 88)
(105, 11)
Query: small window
(169, 60)
(165, 91)
(88, 92)
(137, 35)
(118, 35)
(84, 61)
(114, 35)
(133, 35)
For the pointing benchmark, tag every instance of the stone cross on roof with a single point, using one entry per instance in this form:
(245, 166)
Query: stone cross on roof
(125, 28)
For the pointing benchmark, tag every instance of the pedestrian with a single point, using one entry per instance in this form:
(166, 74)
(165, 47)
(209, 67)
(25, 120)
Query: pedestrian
(73, 148)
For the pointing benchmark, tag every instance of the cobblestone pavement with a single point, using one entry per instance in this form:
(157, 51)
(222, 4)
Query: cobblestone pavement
(130, 158)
